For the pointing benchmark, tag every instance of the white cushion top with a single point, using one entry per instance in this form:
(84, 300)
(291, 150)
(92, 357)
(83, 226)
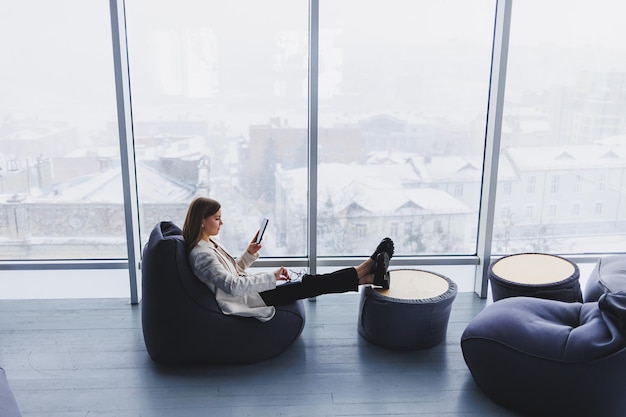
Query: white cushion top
(414, 285)
(533, 268)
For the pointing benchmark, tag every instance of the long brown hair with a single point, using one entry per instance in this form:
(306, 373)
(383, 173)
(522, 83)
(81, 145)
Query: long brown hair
(199, 209)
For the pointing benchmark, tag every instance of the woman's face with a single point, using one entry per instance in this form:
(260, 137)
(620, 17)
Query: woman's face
(211, 225)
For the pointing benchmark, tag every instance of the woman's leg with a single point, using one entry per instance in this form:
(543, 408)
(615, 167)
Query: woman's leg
(343, 280)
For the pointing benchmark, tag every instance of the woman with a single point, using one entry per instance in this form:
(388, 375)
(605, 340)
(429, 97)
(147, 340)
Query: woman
(255, 295)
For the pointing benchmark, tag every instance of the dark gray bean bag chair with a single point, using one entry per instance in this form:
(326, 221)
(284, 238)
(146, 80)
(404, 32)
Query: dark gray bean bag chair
(182, 323)
(551, 358)
(8, 405)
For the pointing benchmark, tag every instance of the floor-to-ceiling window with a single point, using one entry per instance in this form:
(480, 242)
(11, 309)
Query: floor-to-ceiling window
(220, 105)
(403, 89)
(59, 160)
(60, 183)
(562, 175)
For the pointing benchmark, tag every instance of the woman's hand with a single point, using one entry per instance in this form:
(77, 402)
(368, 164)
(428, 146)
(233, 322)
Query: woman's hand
(254, 247)
(282, 274)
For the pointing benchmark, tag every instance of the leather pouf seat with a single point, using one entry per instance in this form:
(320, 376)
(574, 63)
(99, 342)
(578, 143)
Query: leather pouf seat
(182, 323)
(412, 314)
(551, 358)
(538, 275)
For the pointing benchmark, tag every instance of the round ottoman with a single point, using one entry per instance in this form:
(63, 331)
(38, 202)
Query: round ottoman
(537, 275)
(412, 314)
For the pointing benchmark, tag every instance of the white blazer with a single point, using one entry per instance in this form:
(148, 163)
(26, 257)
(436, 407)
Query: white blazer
(236, 291)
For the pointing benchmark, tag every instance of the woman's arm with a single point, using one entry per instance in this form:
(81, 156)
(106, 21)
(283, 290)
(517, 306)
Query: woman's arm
(246, 259)
(207, 266)
(249, 255)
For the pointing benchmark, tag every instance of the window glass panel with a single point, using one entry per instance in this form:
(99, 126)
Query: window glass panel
(220, 110)
(564, 128)
(403, 89)
(60, 182)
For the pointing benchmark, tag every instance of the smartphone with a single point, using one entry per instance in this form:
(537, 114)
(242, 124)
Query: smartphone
(259, 236)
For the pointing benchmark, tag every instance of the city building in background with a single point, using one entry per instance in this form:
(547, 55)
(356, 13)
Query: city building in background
(221, 107)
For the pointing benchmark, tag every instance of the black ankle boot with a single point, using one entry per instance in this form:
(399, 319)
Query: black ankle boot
(385, 245)
(381, 275)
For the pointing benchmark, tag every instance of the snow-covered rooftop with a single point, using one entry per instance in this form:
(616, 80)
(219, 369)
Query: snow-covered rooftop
(106, 187)
(375, 188)
(566, 157)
